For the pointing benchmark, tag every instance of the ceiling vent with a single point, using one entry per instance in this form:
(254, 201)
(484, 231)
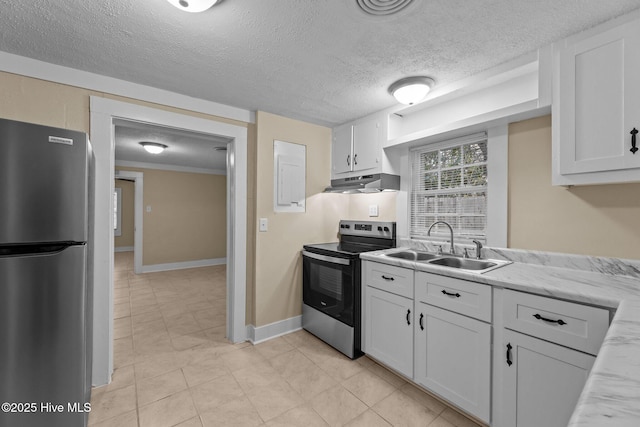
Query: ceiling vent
(383, 7)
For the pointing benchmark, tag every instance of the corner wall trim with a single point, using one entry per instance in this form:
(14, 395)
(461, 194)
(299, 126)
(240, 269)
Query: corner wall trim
(259, 334)
(182, 265)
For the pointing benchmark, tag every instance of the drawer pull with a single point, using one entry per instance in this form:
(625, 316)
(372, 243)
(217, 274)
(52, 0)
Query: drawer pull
(408, 314)
(457, 295)
(387, 278)
(421, 325)
(559, 321)
(509, 362)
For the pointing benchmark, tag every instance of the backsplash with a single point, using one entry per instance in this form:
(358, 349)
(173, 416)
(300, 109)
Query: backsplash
(612, 266)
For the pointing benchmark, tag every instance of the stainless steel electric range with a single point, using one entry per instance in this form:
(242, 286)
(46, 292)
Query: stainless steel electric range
(331, 282)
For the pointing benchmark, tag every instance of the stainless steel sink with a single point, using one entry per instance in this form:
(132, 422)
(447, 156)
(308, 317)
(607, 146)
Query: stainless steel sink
(464, 263)
(476, 265)
(413, 255)
(448, 261)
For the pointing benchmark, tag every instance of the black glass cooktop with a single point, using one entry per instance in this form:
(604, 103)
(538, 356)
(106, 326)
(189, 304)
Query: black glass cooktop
(342, 248)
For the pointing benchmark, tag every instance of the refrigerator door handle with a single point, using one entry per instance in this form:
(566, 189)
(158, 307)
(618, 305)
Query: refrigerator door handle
(36, 248)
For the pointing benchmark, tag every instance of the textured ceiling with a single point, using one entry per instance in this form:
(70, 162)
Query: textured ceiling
(323, 61)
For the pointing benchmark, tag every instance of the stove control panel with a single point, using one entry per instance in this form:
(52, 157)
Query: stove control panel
(385, 229)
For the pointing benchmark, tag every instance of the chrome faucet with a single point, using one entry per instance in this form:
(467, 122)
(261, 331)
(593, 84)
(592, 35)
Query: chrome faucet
(450, 229)
(478, 249)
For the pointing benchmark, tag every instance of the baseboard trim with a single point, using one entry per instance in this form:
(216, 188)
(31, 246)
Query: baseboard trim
(259, 334)
(182, 265)
(123, 249)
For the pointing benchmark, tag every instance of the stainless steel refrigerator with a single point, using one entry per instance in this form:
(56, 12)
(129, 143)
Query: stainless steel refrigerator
(46, 298)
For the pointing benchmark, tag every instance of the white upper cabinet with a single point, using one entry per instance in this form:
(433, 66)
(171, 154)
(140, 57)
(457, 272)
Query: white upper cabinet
(366, 145)
(596, 106)
(341, 150)
(356, 149)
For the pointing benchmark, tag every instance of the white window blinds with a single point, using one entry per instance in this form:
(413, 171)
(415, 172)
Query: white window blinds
(449, 183)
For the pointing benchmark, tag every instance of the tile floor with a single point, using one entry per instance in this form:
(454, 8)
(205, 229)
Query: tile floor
(174, 367)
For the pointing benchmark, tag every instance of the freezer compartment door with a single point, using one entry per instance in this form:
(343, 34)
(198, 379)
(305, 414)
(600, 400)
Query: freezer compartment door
(43, 183)
(43, 331)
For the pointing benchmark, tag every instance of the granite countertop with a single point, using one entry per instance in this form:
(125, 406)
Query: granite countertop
(611, 396)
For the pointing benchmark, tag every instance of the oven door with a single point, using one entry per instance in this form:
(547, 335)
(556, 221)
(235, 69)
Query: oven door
(328, 285)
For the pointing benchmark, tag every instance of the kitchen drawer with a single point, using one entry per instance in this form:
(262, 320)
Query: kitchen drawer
(461, 296)
(390, 278)
(569, 324)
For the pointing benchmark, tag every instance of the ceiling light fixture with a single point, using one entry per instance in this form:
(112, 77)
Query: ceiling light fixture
(411, 90)
(194, 6)
(153, 147)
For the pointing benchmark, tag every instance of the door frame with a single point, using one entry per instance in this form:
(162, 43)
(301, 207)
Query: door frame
(103, 112)
(138, 192)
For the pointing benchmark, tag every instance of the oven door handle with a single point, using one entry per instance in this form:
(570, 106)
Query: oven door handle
(331, 259)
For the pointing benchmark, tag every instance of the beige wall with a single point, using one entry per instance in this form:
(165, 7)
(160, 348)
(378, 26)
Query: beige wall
(359, 206)
(278, 267)
(126, 214)
(53, 104)
(188, 218)
(277, 291)
(599, 220)
(38, 101)
(273, 260)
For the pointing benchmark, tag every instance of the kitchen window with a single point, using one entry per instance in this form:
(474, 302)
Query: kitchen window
(449, 183)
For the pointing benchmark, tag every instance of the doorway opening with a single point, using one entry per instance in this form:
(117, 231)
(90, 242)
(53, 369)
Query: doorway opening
(132, 232)
(105, 113)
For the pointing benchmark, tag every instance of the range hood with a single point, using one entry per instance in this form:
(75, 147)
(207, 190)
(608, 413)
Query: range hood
(365, 184)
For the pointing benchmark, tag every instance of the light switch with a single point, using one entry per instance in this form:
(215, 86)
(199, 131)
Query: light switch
(373, 210)
(264, 224)
(148, 209)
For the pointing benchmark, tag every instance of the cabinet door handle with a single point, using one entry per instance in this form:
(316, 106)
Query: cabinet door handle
(388, 278)
(559, 321)
(348, 159)
(355, 159)
(457, 295)
(509, 361)
(408, 314)
(633, 141)
(421, 325)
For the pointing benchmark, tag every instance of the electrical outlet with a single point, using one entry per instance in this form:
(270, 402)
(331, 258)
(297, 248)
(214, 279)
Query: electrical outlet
(373, 210)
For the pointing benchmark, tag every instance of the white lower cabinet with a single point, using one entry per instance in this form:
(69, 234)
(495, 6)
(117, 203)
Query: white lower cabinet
(388, 329)
(508, 358)
(453, 358)
(543, 359)
(542, 381)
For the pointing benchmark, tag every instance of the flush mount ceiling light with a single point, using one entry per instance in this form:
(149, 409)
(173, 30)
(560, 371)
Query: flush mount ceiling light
(153, 147)
(193, 5)
(411, 90)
